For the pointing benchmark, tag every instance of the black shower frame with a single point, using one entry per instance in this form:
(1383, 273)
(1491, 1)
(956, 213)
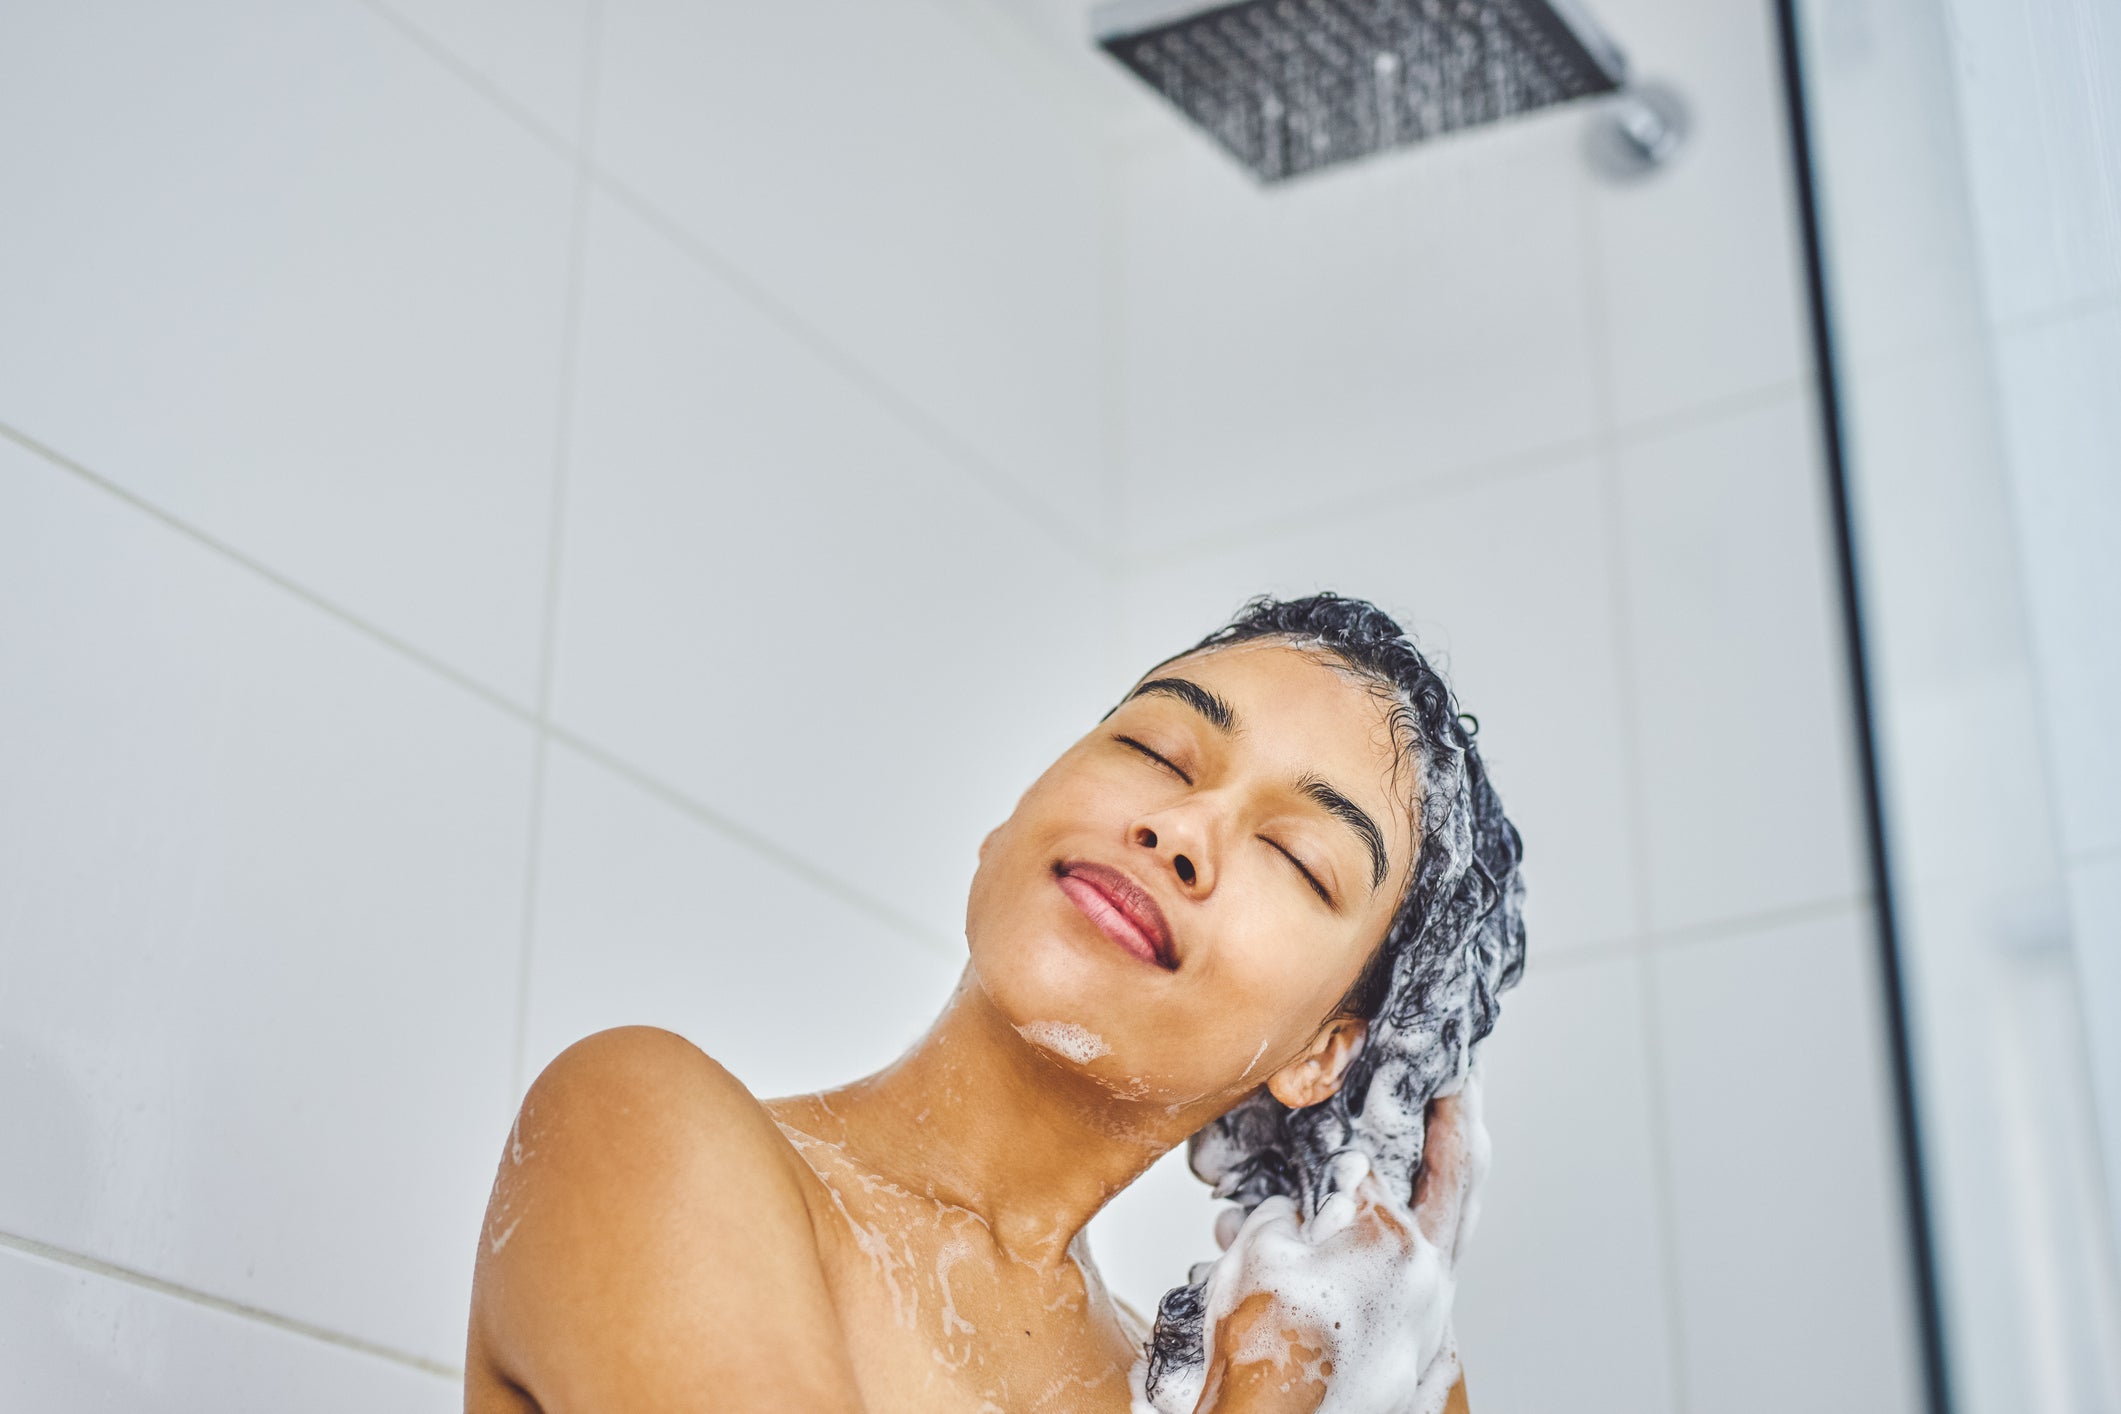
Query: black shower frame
(1921, 1231)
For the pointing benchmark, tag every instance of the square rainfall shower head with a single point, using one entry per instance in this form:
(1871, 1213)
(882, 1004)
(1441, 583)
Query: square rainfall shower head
(1289, 86)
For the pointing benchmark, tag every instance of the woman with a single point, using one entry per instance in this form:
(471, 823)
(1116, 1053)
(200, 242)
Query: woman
(1266, 906)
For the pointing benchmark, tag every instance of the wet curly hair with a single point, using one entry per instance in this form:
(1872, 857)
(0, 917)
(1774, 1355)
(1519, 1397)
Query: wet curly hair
(1428, 993)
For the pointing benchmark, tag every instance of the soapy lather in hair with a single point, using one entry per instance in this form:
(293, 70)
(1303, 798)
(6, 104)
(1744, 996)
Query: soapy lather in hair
(1429, 997)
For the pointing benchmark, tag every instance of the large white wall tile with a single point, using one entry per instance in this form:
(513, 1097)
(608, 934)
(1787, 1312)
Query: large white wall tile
(275, 270)
(1562, 1301)
(1508, 586)
(90, 1344)
(1701, 265)
(790, 607)
(1147, 1239)
(1923, 440)
(263, 909)
(1795, 1285)
(895, 183)
(2095, 930)
(647, 915)
(2058, 384)
(1741, 699)
(2041, 139)
(535, 52)
(1350, 332)
(1903, 268)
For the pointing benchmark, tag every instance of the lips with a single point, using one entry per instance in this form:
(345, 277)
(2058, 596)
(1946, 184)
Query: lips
(1122, 910)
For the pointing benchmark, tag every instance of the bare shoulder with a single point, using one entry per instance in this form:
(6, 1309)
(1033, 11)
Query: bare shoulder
(647, 1246)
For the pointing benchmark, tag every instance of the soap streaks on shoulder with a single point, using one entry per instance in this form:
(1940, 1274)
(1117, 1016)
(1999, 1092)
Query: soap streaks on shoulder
(644, 1195)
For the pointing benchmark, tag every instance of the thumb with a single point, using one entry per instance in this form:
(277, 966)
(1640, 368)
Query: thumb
(1440, 1188)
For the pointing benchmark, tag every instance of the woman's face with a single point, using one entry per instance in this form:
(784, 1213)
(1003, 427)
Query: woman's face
(1176, 905)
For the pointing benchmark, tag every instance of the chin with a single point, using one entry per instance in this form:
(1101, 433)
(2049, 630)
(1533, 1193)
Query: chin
(1032, 971)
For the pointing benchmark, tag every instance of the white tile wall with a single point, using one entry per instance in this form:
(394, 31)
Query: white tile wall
(1563, 1301)
(81, 1342)
(2058, 383)
(1785, 1193)
(1701, 276)
(1741, 702)
(647, 915)
(1903, 263)
(903, 193)
(2042, 145)
(785, 603)
(837, 493)
(277, 271)
(1923, 439)
(534, 52)
(263, 905)
(1508, 584)
(1359, 330)
(1147, 1239)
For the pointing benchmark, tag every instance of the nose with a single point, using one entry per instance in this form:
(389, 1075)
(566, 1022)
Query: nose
(1180, 846)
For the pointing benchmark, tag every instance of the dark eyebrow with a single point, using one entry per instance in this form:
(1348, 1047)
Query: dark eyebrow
(1224, 717)
(1355, 818)
(1217, 711)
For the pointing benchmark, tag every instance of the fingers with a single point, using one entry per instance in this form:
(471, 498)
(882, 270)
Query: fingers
(1440, 1188)
(1335, 1216)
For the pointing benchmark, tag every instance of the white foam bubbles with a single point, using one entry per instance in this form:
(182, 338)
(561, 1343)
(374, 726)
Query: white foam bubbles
(1359, 1281)
(1065, 1038)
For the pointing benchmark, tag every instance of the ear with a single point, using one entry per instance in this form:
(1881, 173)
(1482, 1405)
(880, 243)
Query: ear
(1316, 1074)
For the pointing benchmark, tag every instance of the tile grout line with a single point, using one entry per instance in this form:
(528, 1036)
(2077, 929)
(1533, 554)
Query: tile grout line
(2067, 311)
(722, 824)
(1709, 411)
(2091, 858)
(968, 459)
(1619, 949)
(1721, 930)
(1473, 475)
(420, 656)
(1614, 530)
(1977, 337)
(903, 407)
(96, 1266)
(757, 843)
(1067, 93)
(910, 413)
(962, 454)
(1645, 942)
(555, 532)
(1386, 497)
(463, 72)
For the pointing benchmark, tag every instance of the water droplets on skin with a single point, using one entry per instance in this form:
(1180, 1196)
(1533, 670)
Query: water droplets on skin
(920, 1249)
(871, 1241)
(500, 1199)
(953, 1324)
(495, 1244)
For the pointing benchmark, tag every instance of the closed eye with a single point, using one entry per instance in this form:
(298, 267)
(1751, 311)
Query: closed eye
(1158, 757)
(1309, 877)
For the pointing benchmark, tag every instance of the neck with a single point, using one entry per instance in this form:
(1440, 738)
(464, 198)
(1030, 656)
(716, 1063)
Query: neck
(977, 1117)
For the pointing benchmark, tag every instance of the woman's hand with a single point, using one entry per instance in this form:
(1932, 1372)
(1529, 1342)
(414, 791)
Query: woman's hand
(1351, 1310)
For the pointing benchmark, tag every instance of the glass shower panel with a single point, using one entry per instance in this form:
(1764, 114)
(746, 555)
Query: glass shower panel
(1967, 171)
